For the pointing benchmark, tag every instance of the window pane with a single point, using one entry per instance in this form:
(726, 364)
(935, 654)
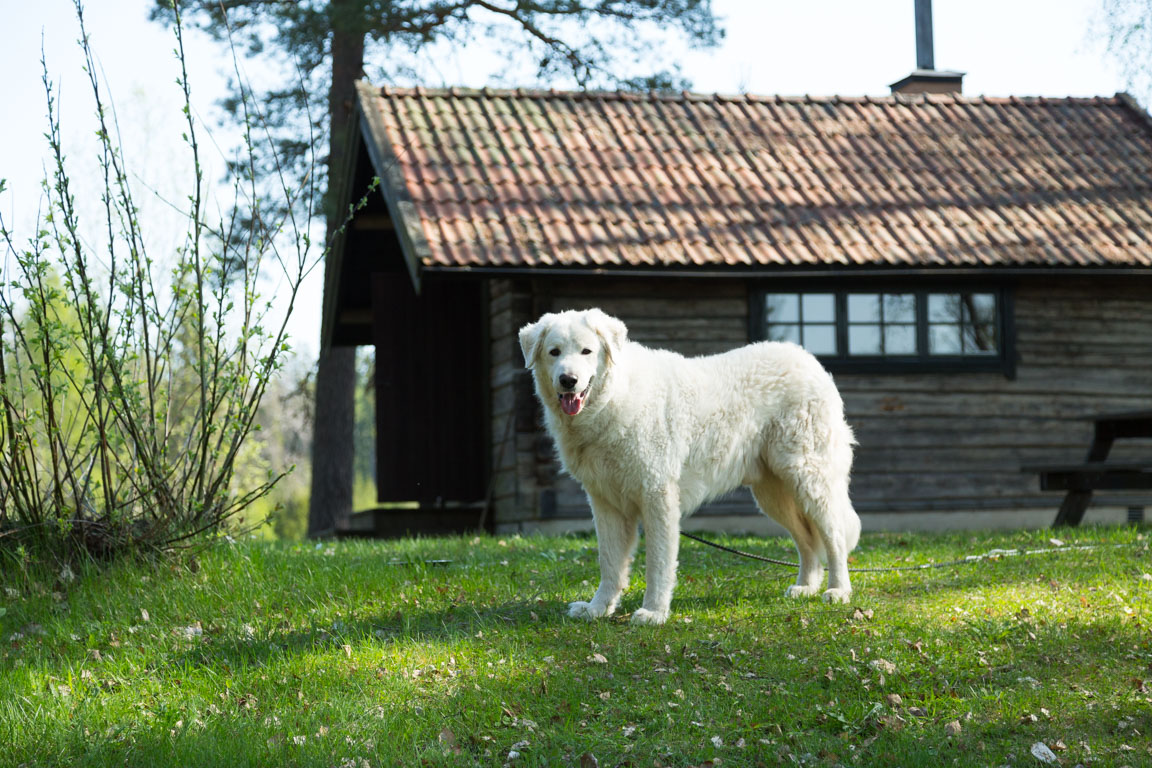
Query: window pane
(980, 308)
(979, 340)
(784, 332)
(944, 308)
(782, 308)
(820, 339)
(899, 339)
(944, 339)
(900, 308)
(864, 339)
(819, 308)
(863, 308)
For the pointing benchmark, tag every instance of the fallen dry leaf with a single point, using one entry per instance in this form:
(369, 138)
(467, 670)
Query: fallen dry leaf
(1041, 752)
(598, 658)
(883, 665)
(588, 760)
(893, 700)
(448, 740)
(953, 728)
(892, 722)
(193, 630)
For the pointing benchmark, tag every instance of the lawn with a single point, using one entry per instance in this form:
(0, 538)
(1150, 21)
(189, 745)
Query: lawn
(359, 654)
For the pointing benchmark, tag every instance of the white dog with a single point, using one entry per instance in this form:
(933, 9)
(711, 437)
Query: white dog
(652, 435)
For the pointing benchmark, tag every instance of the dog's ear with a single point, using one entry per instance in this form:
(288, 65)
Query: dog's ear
(531, 337)
(610, 330)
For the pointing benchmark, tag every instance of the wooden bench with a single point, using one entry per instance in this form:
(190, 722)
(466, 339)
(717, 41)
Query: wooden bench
(1096, 473)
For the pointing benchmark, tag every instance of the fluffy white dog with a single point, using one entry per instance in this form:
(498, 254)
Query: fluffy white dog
(652, 435)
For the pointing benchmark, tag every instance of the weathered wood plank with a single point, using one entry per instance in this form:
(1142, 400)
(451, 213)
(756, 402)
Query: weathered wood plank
(1087, 383)
(968, 407)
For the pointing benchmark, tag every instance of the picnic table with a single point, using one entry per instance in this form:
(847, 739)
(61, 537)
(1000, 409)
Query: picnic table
(1096, 473)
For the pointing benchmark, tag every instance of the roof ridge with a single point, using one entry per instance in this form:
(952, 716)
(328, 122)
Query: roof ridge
(488, 92)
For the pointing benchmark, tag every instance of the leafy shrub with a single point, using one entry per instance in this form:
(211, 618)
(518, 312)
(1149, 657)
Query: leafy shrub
(127, 389)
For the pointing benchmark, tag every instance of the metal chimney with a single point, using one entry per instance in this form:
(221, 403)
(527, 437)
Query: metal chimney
(926, 78)
(924, 58)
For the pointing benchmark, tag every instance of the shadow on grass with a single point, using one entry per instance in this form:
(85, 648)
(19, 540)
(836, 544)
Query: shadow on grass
(461, 622)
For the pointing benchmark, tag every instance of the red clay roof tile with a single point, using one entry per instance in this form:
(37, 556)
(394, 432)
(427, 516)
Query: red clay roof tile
(546, 178)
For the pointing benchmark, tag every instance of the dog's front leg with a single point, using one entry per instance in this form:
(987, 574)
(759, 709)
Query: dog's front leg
(661, 546)
(616, 537)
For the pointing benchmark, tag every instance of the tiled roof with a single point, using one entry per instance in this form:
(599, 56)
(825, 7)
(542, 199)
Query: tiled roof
(551, 179)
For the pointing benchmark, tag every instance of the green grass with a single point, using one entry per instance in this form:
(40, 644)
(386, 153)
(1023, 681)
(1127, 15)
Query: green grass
(330, 656)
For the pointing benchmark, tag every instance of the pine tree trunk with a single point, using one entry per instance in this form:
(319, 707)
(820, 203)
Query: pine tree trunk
(333, 448)
(330, 502)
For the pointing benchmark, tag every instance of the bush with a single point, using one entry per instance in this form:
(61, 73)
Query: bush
(127, 389)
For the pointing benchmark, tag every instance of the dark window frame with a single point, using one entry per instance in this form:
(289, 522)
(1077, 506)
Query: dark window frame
(1003, 362)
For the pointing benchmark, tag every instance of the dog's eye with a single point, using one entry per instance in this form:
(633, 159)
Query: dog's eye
(585, 351)
(555, 353)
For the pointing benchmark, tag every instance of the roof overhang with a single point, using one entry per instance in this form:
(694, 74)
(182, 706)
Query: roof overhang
(789, 272)
(387, 167)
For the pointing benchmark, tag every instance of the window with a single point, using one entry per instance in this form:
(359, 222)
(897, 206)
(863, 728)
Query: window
(881, 324)
(946, 330)
(808, 319)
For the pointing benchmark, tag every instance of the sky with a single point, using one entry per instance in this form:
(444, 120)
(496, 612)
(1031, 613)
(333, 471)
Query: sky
(788, 47)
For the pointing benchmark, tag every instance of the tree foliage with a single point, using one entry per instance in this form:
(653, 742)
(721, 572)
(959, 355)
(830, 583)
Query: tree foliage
(1127, 31)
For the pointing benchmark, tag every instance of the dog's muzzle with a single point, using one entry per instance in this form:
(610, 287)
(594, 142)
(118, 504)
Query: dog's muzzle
(572, 402)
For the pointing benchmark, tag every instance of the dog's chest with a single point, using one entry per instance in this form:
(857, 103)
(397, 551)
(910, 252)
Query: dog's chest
(604, 469)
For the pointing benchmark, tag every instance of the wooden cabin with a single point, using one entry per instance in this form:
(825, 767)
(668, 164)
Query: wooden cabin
(976, 273)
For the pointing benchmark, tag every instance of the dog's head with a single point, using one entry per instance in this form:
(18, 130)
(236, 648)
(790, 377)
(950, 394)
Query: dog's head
(569, 353)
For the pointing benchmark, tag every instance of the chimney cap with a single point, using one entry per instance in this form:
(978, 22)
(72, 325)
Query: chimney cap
(929, 81)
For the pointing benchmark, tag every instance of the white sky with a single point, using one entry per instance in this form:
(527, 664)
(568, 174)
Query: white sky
(790, 47)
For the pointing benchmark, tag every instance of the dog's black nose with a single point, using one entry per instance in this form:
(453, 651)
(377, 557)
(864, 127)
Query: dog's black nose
(566, 381)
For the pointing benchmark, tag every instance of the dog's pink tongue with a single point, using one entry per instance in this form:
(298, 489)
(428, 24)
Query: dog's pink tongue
(571, 403)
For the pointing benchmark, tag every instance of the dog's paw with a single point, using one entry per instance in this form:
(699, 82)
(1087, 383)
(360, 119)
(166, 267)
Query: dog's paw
(586, 611)
(837, 595)
(649, 618)
(796, 590)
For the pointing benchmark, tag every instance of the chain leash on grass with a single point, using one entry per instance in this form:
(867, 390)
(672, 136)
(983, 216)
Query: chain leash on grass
(968, 560)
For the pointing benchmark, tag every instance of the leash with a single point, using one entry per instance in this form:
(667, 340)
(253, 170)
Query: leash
(968, 560)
